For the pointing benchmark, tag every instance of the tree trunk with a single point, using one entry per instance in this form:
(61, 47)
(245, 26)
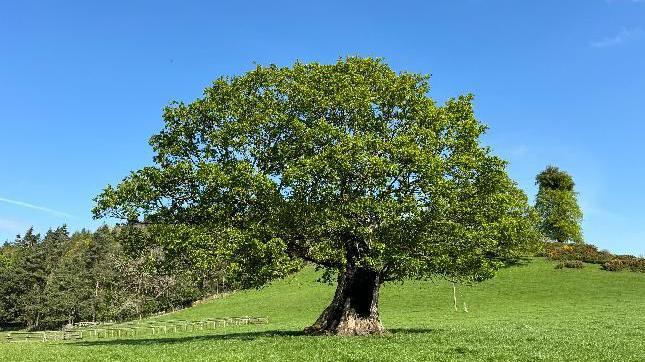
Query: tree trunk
(354, 309)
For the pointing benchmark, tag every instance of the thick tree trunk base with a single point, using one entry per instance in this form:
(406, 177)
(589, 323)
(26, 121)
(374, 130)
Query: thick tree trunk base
(349, 325)
(354, 310)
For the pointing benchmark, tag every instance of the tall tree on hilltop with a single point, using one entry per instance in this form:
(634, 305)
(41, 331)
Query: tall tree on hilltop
(557, 204)
(350, 166)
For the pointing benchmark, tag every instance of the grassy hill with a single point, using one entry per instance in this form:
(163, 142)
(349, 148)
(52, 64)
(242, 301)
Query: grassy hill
(531, 312)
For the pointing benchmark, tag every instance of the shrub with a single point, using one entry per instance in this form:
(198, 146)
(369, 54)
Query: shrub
(582, 252)
(574, 255)
(573, 264)
(633, 263)
(614, 265)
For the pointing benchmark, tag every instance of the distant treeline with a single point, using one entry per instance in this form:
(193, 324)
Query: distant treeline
(49, 281)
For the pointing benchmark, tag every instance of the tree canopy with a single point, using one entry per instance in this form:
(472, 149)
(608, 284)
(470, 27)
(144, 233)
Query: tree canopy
(350, 166)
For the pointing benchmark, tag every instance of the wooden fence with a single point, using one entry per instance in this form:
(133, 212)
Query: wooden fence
(91, 330)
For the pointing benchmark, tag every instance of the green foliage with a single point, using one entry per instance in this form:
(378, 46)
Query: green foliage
(349, 163)
(557, 204)
(88, 276)
(555, 179)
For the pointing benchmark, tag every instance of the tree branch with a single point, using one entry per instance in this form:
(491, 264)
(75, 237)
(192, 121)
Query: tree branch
(298, 251)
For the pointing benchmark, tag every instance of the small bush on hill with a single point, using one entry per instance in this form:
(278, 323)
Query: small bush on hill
(569, 255)
(614, 265)
(573, 264)
(628, 262)
(583, 252)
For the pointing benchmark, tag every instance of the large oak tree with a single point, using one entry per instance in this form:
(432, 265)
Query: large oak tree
(349, 166)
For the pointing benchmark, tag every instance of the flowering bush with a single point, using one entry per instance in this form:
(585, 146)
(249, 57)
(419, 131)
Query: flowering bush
(583, 252)
(574, 255)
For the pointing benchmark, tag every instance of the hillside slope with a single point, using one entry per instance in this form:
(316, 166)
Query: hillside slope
(531, 312)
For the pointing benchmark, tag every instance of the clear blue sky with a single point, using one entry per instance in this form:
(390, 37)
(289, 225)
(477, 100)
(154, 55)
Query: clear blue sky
(82, 86)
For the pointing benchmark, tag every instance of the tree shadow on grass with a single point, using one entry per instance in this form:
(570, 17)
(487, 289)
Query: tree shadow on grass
(413, 330)
(517, 261)
(242, 336)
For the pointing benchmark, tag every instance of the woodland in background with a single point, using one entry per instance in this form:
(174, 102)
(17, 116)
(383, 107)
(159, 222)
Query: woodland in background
(49, 281)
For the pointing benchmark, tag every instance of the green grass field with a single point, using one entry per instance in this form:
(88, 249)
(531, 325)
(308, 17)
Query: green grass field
(531, 312)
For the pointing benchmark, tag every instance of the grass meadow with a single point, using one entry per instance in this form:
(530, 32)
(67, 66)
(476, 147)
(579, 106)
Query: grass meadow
(530, 312)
